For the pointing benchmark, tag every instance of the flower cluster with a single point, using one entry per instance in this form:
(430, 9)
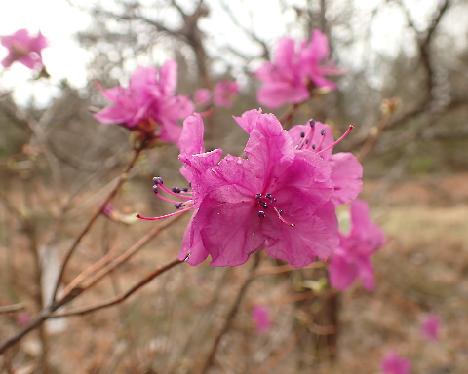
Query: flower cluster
(24, 48)
(280, 196)
(149, 105)
(296, 71)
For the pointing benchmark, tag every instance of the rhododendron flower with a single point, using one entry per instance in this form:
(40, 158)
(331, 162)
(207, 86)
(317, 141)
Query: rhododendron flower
(346, 169)
(261, 318)
(149, 104)
(225, 92)
(24, 48)
(430, 327)
(277, 198)
(352, 259)
(393, 363)
(202, 96)
(295, 71)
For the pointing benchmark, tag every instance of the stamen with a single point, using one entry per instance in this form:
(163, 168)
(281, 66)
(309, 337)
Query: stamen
(302, 134)
(172, 193)
(269, 196)
(258, 196)
(167, 200)
(264, 204)
(261, 214)
(278, 213)
(158, 180)
(176, 190)
(339, 140)
(163, 216)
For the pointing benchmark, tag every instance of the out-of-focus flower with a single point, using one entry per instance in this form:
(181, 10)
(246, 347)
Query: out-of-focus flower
(280, 197)
(295, 71)
(225, 92)
(23, 318)
(149, 104)
(430, 327)
(393, 363)
(202, 96)
(24, 48)
(261, 318)
(352, 259)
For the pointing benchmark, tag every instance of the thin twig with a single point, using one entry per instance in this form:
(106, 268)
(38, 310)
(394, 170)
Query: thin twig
(121, 180)
(121, 298)
(210, 360)
(63, 300)
(13, 308)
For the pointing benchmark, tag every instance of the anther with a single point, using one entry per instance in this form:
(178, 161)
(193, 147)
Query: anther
(269, 196)
(302, 134)
(185, 189)
(155, 188)
(158, 180)
(264, 204)
(258, 196)
(176, 189)
(314, 146)
(312, 123)
(322, 132)
(178, 205)
(261, 213)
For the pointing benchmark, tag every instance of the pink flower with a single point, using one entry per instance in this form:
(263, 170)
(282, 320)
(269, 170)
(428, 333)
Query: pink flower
(225, 92)
(295, 71)
(24, 48)
(346, 169)
(277, 198)
(352, 259)
(393, 363)
(202, 96)
(261, 319)
(149, 105)
(430, 327)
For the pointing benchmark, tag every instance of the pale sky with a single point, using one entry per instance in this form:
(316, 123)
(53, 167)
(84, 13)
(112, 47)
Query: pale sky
(65, 59)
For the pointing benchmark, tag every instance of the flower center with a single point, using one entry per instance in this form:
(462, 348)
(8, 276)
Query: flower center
(267, 203)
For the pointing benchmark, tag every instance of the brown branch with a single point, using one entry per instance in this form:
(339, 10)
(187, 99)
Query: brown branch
(121, 298)
(210, 360)
(13, 308)
(121, 180)
(89, 277)
(65, 299)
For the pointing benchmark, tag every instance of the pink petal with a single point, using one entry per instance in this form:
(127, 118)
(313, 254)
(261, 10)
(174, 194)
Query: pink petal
(347, 177)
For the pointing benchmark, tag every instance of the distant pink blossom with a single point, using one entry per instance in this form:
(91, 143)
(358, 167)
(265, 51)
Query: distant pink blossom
(24, 48)
(277, 198)
(430, 327)
(225, 92)
(23, 319)
(202, 96)
(393, 363)
(261, 318)
(295, 70)
(352, 259)
(149, 104)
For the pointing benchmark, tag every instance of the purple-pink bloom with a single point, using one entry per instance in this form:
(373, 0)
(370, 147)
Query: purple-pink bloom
(149, 104)
(295, 71)
(261, 318)
(352, 259)
(393, 363)
(277, 198)
(202, 96)
(430, 327)
(346, 169)
(24, 48)
(225, 92)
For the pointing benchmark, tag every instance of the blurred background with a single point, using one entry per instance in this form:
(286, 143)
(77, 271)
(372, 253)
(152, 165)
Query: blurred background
(405, 76)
